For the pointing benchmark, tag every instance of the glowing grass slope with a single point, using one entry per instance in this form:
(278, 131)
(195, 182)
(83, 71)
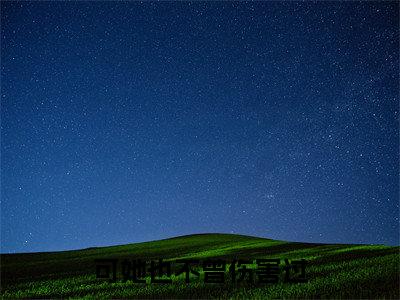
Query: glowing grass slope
(333, 271)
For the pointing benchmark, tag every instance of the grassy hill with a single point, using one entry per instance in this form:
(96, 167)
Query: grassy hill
(333, 270)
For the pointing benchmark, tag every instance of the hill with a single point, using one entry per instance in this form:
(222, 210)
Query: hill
(332, 270)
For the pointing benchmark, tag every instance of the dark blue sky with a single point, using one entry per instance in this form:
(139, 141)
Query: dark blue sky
(128, 122)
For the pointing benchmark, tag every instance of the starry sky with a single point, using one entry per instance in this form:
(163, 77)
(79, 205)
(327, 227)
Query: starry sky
(128, 122)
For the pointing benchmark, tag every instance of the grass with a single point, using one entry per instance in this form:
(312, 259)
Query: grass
(333, 271)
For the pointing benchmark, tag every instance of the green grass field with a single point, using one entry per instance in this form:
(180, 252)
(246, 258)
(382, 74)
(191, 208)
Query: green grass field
(333, 270)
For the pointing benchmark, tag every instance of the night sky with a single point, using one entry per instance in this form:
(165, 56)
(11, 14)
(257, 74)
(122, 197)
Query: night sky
(129, 122)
